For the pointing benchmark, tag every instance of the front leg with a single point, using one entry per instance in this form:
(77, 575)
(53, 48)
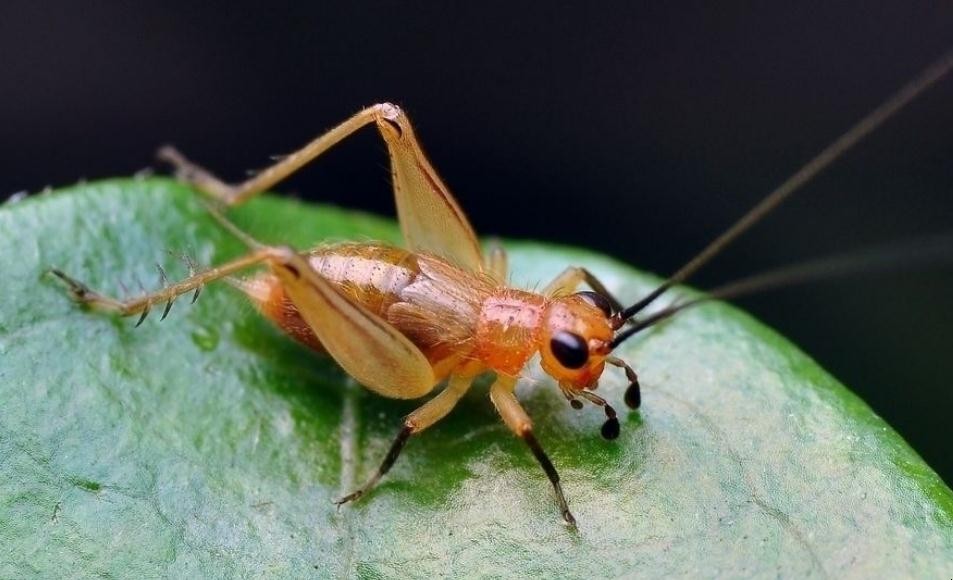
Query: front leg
(570, 279)
(501, 393)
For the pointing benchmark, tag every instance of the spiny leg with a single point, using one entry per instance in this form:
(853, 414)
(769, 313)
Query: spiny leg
(143, 304)
(506, 403)
(425, 416)
(570, 279)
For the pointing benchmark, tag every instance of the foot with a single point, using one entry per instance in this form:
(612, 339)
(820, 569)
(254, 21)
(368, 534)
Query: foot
(349, 497)
(196, 175)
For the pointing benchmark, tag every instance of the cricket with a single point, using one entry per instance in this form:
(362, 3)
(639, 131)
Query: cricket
(404, 320)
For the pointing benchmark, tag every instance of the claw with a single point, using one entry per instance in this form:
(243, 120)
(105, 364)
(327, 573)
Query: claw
(77, 289)
(349, 498)
(569, 519)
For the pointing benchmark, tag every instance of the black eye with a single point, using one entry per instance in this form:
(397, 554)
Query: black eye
(569, 349)
(597, 300)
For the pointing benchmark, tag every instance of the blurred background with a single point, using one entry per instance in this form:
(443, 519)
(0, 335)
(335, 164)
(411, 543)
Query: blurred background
(639, 130)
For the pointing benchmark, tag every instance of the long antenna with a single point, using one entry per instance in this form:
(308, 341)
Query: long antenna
(861, 129)
(904, 255)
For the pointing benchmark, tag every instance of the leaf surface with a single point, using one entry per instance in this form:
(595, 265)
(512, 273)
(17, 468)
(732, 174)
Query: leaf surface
(209, 445)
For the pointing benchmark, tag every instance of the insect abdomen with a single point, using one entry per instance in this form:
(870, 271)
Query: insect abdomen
(369, 274)
(372, 275)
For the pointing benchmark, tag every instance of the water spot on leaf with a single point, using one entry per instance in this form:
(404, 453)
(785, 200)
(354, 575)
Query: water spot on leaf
(206, 338)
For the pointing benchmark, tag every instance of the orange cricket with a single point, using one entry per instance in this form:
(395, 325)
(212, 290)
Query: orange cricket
(403, 321)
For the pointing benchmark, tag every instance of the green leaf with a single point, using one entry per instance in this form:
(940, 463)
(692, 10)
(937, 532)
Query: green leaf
(211, 445)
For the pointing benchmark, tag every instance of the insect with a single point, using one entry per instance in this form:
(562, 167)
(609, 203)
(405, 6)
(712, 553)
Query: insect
(402, 321)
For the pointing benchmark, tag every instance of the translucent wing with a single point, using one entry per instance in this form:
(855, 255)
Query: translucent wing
(366, 346)
(430, 218)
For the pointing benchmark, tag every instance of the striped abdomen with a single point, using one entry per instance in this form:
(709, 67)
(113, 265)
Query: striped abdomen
(372, 275)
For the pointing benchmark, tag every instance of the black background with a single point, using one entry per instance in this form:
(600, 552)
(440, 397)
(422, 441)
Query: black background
(641, 131)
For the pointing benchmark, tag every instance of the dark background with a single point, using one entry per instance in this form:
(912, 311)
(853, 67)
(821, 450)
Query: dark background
(640, 131)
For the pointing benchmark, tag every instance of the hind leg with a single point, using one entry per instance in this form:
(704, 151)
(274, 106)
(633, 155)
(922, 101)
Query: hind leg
(81, 293)
(234, 194)
(428, 414)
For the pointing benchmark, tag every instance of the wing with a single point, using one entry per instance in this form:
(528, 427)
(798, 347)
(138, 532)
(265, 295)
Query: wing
(430, 218)
(366, 346)
(441, 307)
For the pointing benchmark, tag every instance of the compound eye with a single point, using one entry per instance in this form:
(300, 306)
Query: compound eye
(597, 300)
(569, 349)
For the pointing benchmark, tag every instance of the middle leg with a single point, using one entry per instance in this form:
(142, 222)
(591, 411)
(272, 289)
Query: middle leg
(503, 397)
(428, 414)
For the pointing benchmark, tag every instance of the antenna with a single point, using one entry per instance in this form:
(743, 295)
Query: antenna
(812, 168)
(904, 255)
